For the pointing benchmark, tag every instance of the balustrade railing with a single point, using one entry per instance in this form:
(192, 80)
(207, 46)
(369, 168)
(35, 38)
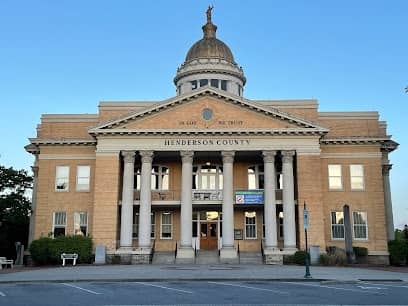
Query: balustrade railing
(207, 195)
(197, 195)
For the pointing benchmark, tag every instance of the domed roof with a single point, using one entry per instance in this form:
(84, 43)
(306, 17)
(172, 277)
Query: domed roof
(209, 46)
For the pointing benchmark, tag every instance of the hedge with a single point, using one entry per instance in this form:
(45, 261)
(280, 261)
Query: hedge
(398, 251)
(48, 251)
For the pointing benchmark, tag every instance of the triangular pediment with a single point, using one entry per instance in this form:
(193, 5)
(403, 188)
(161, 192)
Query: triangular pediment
(207, 109)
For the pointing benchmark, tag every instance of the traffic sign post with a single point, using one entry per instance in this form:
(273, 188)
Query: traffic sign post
(306, 226)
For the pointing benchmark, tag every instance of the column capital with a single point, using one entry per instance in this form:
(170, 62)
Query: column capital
(287, 156)
(147, 156)
(187, 156)
(35, 170)
(269, 156)
(228, 156)
(128, 156)
(386, 169)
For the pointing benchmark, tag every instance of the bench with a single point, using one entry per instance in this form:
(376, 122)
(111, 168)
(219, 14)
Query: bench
(5, 261)
(72, 257)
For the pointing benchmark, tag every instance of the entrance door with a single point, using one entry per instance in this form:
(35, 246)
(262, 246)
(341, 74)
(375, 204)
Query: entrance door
(208, 235)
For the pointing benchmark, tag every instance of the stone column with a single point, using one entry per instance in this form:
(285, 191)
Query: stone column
(127, 201)
(387, 201)
(186, 250)
(228, 250)
(31, 232)
(145, 199)
(271, 237)
(289, 222)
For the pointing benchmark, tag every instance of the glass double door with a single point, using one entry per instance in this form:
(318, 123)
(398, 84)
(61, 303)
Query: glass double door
(208, 235)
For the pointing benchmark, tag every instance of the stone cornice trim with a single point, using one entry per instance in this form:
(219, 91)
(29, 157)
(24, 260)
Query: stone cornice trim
(209, 91)
(62, 141)
(290, 131)
(352, 155)
(348, 115)
(69, 118)
(288, 104)
(67, 156)
(354, 140)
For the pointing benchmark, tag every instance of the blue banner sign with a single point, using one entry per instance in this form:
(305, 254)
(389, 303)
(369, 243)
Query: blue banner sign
(249, 197)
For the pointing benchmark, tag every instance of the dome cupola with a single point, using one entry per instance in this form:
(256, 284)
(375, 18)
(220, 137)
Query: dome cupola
(209, 62)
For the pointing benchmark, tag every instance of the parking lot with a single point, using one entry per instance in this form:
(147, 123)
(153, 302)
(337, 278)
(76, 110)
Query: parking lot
(204, 293)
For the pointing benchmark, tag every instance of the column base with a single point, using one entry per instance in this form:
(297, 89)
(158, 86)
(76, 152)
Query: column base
(229, 255)
(126, 255)
(271, 249)
(289, 250)
(185, 255)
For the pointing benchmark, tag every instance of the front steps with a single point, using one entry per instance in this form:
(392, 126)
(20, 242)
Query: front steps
(250, 258)
(163, 258)
(207, 257)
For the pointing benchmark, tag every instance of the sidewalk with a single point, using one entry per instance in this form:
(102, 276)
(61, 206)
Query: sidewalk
(197, 273)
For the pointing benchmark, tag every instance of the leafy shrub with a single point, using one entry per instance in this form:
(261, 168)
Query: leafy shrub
(288, 260)
(324, 259)
(300, 257)
(398, 251)
(73, 244)
(48, 251)
(335, 257)
(360, 251)
(41, 250)
(115, 260)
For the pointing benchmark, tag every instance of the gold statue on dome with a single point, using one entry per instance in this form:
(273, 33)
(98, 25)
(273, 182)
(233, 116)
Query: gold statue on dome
(209, 10)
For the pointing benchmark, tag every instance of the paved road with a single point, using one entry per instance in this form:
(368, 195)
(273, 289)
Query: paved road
(204, 293)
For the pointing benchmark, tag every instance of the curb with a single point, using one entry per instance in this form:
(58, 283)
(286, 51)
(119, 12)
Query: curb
(157, 280)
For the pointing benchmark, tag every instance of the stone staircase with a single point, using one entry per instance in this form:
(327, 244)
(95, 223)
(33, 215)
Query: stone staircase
(163, 258)
(207, 257)
(250, 258)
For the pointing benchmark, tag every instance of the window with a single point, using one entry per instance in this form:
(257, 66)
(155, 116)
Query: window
(360, 225)
(166, 225)
(203, 82)
(224, 85)
(83, 177)
(279, 181)
(135, 233)
(59, 223)
(256, 177)
(81, 223)
(214, 83)
(207, 177)
(193, 85)
(159, 179)
(250, 225)
(335, 180)
(337, 225)
(62, 178)
(280, 231)
(357, 177)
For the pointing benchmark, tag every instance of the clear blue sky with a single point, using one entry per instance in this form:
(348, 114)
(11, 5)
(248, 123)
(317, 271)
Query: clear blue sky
(66, 56)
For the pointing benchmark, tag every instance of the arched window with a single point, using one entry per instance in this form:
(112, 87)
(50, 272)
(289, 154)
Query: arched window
(256, 177)
(159, 178)
(207, 177)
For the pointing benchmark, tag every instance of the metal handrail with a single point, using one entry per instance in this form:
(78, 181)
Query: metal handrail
(239, 254)
(153, 248)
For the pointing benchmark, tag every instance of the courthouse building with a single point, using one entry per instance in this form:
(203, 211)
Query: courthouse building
(212, 170)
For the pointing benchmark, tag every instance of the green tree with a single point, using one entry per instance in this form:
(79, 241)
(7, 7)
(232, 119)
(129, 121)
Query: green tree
(15, 208)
